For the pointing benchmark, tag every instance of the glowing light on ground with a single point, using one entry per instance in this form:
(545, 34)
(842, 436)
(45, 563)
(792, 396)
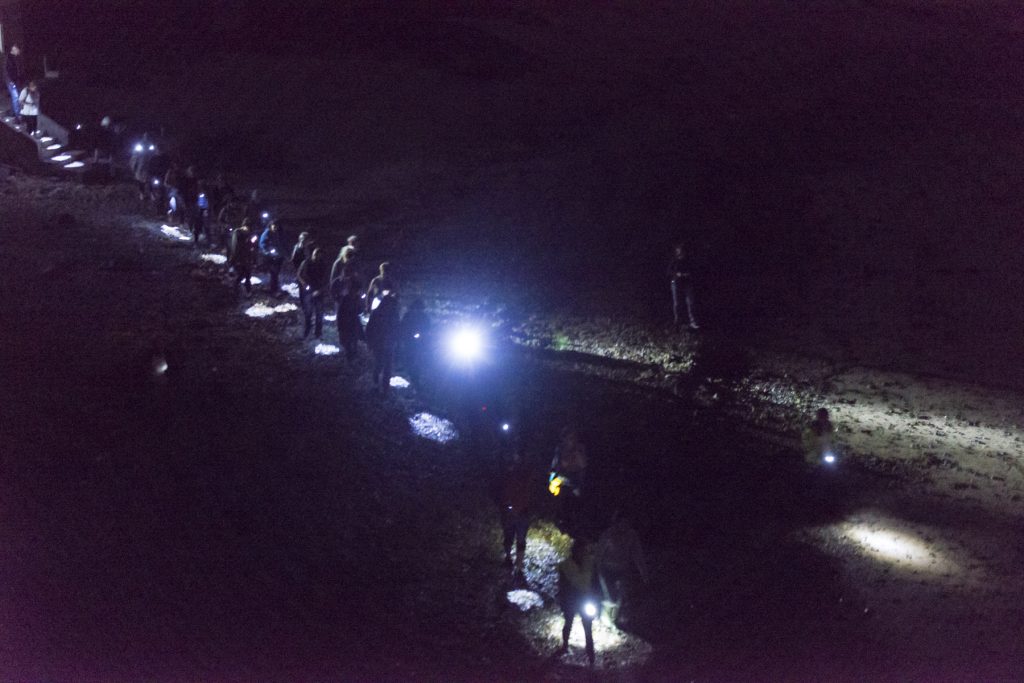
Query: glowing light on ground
(263, 311)
(292, 289)
(46, 139)
(62, 157)
(525, 600)
(606, 637)
(219, 259)
(891, 542)
(174, 233)
(331, 317)
(326, 350)
(433, 428)
(52, 148)
(399, 382)
(256, 280)
(74, 164)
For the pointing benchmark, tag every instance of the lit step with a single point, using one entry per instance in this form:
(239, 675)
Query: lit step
(74, 164)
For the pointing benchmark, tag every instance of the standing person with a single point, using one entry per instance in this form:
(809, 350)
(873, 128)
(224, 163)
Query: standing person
(569, 469)
(380, 286)
(681, 281)
(577, 594)
(172, 186)
(346, 257)
(818, 440)
(300, 252)
(272, 251)
(415, 336)
(202, 220)
(620, 562)
(313, 280)
(138, 164)
(348, 293)
(242, 256)
(382, 338)
(13, 76)
(189, 192)
(29, 101)
(516, 495)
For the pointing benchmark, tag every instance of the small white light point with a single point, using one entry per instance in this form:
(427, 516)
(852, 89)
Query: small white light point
(399, 382)
(218, 259)
(326, 350)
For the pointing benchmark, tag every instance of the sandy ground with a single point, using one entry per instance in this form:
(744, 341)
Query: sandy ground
(260, 513)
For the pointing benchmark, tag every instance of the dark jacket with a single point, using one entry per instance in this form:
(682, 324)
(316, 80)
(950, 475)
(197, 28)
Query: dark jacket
(313, 275)
(12, 69)
(382, 328)
(680, 269)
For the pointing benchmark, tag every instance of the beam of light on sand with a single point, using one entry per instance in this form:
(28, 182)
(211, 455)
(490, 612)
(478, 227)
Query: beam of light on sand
(606, 636)
(174, 233)
(325, 349)
(525, 600)
(264, 311)
(74, 164)
(256, 280)
(219, 259)
(292, 289)
(399, 382)
(433, 428)
(890, 542)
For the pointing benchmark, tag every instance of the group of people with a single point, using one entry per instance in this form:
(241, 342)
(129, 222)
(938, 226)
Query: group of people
(24, 93)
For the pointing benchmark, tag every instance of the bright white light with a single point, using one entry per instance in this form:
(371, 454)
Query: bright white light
(466, 345)
(399, 382)
(174, 233)
(62, 157)
(156, 181)
(159, 365)
(219, 259)
(152, 148)
(138, 146)
(525, 600)
(331, 317)
(292, 289)
(374, 304)
(326, 350)
(53, 147)
(433, 428)
(416, 336)
(505, 427)
(46, 139)
(256, 280)
(74, 164)
(78, 126)
(590, 609)
(606, 637)
(266, 215)
(890, 541)
(830, 458)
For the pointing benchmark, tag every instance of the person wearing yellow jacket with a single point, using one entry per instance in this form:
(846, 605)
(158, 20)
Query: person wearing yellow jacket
(577, 591)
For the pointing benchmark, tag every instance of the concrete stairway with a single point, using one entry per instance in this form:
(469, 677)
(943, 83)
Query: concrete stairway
(51, 152)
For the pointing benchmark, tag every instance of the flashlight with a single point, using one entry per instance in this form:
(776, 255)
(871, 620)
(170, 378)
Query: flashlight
(416, 336)
(266, 215)
(590, 609)
(830, 458)
(138, 147)
(152, 148)
(78, 126)
(555, 484)
(156, 181)
(466, 345)
(505, 427)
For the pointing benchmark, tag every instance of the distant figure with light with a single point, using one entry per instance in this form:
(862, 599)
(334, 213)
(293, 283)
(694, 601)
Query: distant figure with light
(380, 287)
(348, 293)
(13, 77)
(681, 283)
(172, 186)
(382, 338)
(272, 252)
(818, 443)
(243, 256)
(313, 281)
(577, 594)
(300, 252)
(138, 164)
(189, 191)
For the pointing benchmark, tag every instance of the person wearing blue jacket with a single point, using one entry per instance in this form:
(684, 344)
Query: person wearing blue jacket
(272, 251)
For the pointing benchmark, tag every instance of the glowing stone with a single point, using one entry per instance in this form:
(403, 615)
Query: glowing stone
(256, 280)
(52, 148)
(525, 600)
(219, 259)
(263, 311)
(433, 428)
(45, 139)
(399, 382)
(174, 233)
(62, 157)
(74, 164)
(326, 350)
(292, 289)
